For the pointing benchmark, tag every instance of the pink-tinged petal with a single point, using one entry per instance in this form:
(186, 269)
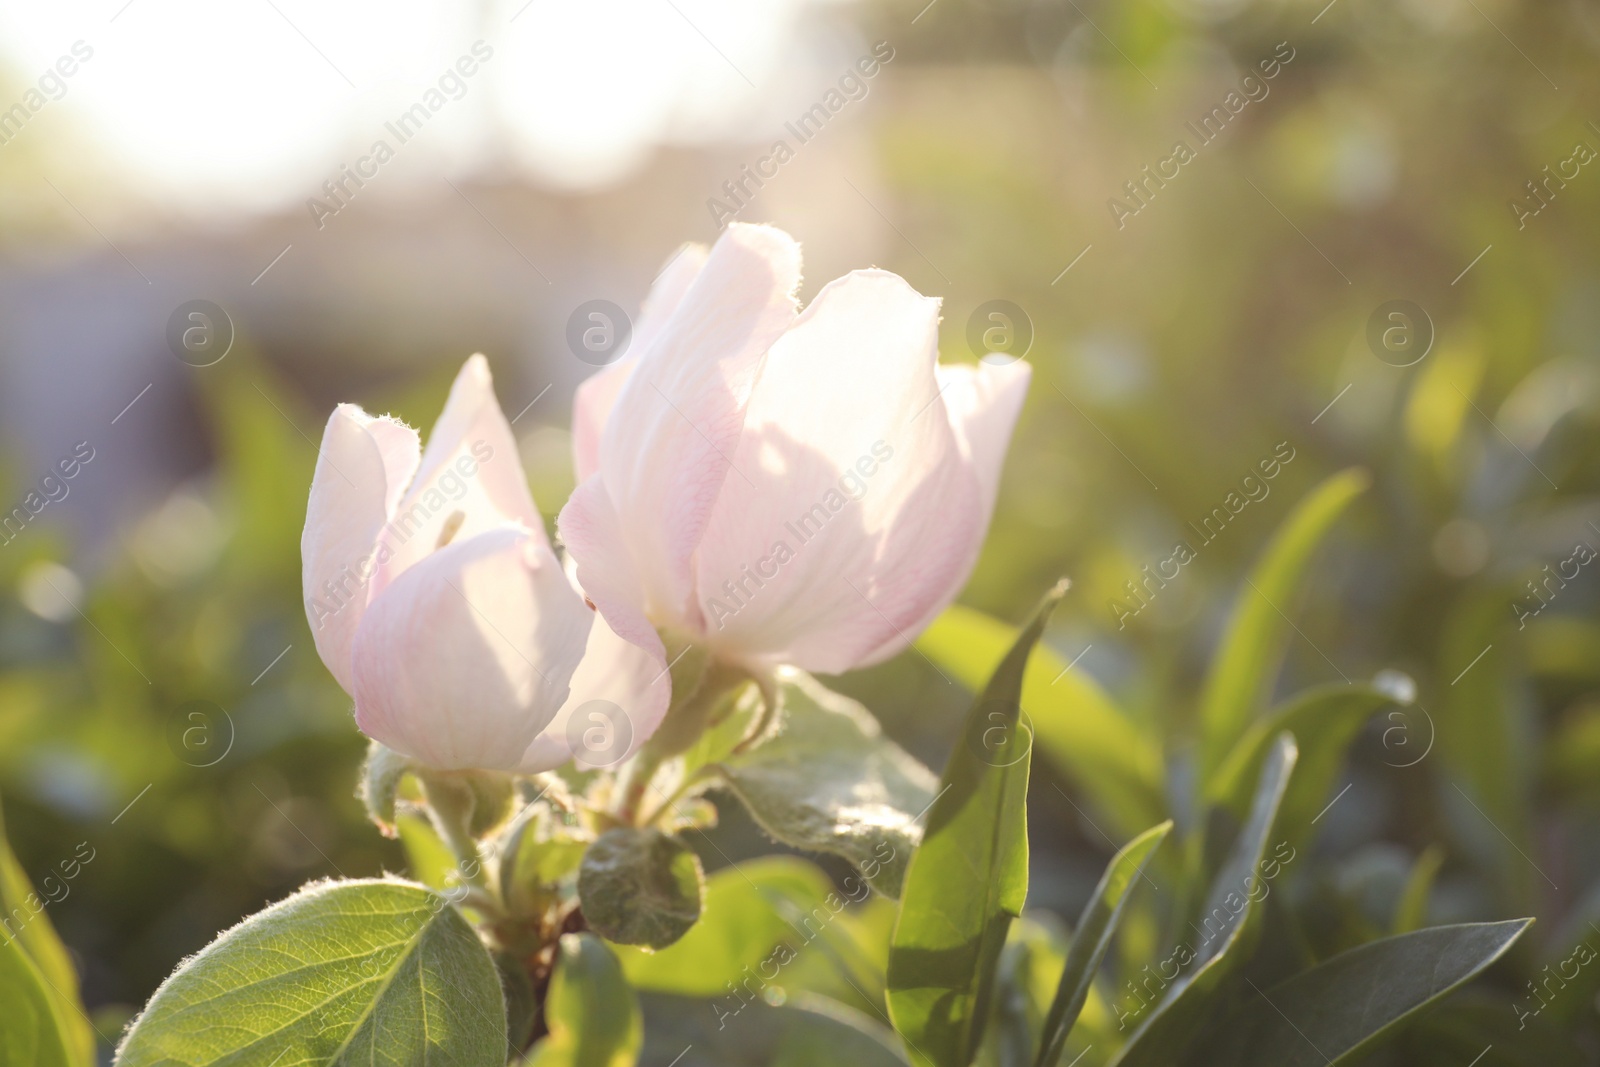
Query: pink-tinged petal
(632, 690)
(591, 407)
(592, 403)
(982, 403)
(676, 423)
(865, 509)
(470, 469)
(467, 655)
(590, 528)
(362, 468)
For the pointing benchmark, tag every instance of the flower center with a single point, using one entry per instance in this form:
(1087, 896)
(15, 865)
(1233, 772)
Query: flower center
(451, 526)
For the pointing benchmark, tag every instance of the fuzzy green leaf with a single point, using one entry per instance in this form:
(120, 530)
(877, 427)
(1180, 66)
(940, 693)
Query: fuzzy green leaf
(831, 782)
(640, 887)
(593, 1016)
(381, 972)
(748, 911)
(969, 878)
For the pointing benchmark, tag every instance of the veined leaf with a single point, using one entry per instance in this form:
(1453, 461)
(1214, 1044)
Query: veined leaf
(1346, 1006)
(1253, 646)
(831, 782)
(535, 859)
(1234, 906)
(1323, 721)
(383, 972)
(593, 1016)
(24, 922)
(969, 878)
(1092, 937)
(31, 1031)
(1077, 725)
(747, 913)
(640, 887)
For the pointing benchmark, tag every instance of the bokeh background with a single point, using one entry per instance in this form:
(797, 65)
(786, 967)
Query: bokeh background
(1224, 322)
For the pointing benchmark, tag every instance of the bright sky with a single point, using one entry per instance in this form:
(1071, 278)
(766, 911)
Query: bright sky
(225, 103)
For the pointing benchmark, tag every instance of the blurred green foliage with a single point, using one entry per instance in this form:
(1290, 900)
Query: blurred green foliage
(1180, 351)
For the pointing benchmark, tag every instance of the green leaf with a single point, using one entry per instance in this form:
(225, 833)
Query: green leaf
(1092, 937)
(31, 1030)
(1025, 985)
(538, 858)
(1483, 738)
(1253, 646)
(640, 887)
(427, 855)
(380, 784)
(831, 782)
(1078, 726)
(383, 972)
(1411, 911)
(969, 878)
(593, 1016)
(801, 1031)
(1323, 721)
(747, 913)
(1233, 906)
(26, 923)
(1334, 1012)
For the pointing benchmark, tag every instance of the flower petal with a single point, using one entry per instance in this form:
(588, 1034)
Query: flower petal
(865, 509)
(592, 532)
(666, 448)
(633, 690)
(592, 403)
(467, 655)
(470, 467)
(362, 468)
(982, 403)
